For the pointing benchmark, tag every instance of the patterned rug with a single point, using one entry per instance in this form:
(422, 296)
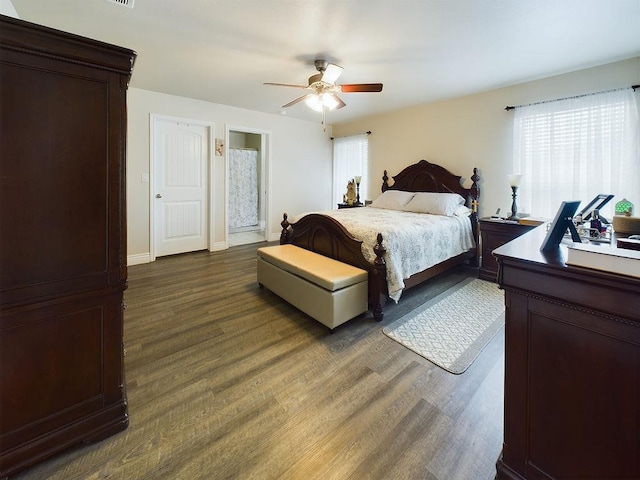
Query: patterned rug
(451, 329)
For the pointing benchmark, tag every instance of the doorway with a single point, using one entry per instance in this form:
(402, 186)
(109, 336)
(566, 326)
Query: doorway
(180, 186)
(247, 160)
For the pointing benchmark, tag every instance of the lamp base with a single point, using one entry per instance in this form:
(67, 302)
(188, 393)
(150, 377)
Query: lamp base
(514, 208)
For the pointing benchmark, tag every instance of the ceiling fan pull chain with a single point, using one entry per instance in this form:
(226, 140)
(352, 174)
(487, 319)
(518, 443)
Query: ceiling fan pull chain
(324, 125)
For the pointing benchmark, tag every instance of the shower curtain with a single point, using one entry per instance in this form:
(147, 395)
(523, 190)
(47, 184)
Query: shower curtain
(243, 188)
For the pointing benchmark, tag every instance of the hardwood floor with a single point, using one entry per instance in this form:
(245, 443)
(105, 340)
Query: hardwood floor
(227, 381)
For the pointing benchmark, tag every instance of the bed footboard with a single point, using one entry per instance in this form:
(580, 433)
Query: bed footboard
(324, 235)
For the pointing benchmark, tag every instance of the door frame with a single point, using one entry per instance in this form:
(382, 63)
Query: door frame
(210, 127)
(265, 156)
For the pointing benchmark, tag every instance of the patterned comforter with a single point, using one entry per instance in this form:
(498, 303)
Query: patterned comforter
(414, 241)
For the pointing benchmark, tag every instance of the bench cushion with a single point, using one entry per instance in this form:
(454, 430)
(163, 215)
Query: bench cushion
(323, 271)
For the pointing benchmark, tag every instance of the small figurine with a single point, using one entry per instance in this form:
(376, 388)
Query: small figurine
(351, 192)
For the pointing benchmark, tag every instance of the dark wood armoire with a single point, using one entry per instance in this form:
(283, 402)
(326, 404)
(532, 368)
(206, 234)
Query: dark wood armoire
(62, 240)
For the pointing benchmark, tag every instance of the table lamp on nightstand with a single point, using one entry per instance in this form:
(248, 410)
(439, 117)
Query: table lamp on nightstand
(358, 179)
(514, 182)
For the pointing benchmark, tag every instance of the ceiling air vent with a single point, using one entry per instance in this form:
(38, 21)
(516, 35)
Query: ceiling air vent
(124, 3)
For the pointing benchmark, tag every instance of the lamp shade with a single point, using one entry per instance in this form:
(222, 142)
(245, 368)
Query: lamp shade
(514, 180)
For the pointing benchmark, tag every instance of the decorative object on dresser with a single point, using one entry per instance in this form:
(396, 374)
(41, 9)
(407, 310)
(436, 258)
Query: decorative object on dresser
(623, 221)
(494, 233)
(626, 224)
(62, 241)
(572, 344)
(630, 243)
(622, 261)
(597, 203)
(324, 234)
(624, 207)
(350, 196)
(562, 222)
(452, 329)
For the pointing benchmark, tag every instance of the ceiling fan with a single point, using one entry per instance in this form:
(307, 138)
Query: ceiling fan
(324, 89)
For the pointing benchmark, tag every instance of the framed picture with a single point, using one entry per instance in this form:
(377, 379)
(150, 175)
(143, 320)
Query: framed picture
(562, 222)
(596, 204)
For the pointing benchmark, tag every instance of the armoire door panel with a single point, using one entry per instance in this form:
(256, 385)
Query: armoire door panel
(63, 195)
(68, 377)
(70, 192)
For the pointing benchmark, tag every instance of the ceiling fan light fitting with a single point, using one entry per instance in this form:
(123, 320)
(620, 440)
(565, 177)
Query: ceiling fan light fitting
(321, 101)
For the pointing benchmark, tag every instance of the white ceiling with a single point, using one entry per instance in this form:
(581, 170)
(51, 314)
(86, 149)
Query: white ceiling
(421, 50)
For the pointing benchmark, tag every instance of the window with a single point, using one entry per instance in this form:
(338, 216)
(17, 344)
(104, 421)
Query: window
(350, 159)
(577, 148)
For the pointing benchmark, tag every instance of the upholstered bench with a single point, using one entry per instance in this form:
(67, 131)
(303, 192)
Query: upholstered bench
(330, 291)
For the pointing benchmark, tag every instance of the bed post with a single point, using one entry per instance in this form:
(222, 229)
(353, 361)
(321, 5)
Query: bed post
(475, 194)
(378, 282)
(284, 234)
(385, 182)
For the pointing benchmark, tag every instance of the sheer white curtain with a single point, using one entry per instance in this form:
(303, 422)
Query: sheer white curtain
(577, 148)
(350, 159)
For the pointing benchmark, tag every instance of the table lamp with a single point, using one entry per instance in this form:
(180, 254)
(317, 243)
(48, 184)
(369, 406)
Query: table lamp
(514, 182)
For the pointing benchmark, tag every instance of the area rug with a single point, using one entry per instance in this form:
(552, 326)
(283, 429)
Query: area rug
(451, 329)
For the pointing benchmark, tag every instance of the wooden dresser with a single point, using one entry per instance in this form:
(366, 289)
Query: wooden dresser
(572, 367)
(62, 240)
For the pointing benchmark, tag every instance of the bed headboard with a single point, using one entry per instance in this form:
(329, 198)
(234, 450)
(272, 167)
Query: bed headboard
(429, 177)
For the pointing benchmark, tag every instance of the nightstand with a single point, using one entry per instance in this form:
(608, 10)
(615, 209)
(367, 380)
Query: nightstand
(493, 234)
(346, 205)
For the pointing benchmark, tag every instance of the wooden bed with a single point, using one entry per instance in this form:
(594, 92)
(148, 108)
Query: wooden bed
(325, 235)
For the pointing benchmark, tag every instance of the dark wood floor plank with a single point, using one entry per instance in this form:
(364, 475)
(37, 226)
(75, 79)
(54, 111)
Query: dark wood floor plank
(226, 380)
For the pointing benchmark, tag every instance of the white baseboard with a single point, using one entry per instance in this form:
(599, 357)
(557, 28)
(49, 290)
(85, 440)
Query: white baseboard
(138, 258)
(217, 246)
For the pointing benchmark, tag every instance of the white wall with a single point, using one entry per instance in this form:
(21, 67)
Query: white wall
(474, 131)
(300, 163)
(7, 8)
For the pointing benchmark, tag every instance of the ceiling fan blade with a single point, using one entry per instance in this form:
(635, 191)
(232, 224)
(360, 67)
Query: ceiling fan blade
(331, 74)
(339, 100)
(361, 87)
(297, 100)
(285, 85)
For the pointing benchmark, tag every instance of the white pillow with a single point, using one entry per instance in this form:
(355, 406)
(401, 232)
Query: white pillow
(434, 203)
(393, 199)
(462, 211)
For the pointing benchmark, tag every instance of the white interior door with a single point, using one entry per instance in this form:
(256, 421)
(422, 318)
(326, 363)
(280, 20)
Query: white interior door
(180, 187)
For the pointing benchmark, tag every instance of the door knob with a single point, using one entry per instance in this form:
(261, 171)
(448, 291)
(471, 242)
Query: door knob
(158, 195)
